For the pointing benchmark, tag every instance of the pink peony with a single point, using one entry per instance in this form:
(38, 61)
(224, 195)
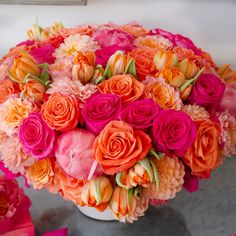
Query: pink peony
(229, 98)
(174, 132)
(36, 136)
(207, 92)
(74, 153)
(140, 114)
(107, 38)
(99, 110)
(13, 202)
(43, 54)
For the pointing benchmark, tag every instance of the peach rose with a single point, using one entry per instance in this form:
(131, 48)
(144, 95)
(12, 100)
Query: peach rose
(61, 112)
(7, 87)
(204, 155)
(162, 93)
(83, 68)
(125, 86)
(134, 29)
(40, 174)
(22, 66)
(143, 57)
(119, 147)
(97, 193)
(33, 89)
(173, 76)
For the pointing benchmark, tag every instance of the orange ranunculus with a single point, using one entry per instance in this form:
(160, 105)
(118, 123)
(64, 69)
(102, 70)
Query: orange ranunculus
(83, 68)
(134, 29)
(119, 147)
(165, 59)
(188, 68)
(97, 193)
(173, 76)
(33, 89)
(204, 155)
(183, 53)
(118, 63)
(7, 87)
(70, 188)
(40, 174)
(22, 66)
(61, 112)
(162, 93)
(143, 61)
(125, 86)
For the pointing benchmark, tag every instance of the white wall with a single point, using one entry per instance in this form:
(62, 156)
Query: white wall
(212, 24)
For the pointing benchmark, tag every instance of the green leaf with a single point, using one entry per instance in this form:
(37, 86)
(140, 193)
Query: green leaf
(155, 171)
(118, 179)
(146, 165)
(153, 153)
(130, 68)
(44, 76)
(191, 81)
(100, 79)
(129, 193)
(107, 72)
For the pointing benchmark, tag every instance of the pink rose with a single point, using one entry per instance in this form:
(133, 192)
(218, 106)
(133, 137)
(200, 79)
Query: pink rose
(74, 153)
(174, 132)
(43, 54)
(36, 136)
(207, 92)
(103, 55)
(99, 110)
(13, 202)
(181, 41)
(140, 114)
(107, 38)
(27, 43)
(191, 182)
(163, 33)
(229, 98)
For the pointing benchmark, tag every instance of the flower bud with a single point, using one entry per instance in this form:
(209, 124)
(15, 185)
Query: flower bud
(97, 193)
(173, 76)
(185, 93)
(188, 68)
(165, 59)
(23, 66)
(83, 68)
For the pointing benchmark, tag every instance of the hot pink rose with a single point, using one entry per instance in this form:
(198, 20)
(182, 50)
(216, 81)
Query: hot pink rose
(181, 41)
(207, 92)
(163, 33)
(43, 54)
(140, 114)
(107, 38)
(36, 136)
(191, 182)
(174, 132)
(229, 98)
(13, 202)
(74, 153)
(99, 110)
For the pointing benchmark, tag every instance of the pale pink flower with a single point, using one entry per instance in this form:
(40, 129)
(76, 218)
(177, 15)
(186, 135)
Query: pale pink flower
(65, 85)
(13, 156)
(196, 112)
(4, 68)
(75, 43)
(153, 41)
(61, 67)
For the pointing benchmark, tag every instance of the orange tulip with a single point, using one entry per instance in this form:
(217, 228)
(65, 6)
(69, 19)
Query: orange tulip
(165, 59)
(97, 193)
(22, 67)
(188, 68)
(173, 76)
(185, 93)
(83, 68)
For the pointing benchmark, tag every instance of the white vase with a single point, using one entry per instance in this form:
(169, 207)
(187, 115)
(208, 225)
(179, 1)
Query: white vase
(91, 212)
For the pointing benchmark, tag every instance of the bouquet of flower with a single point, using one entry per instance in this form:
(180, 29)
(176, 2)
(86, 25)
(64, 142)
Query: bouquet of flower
(114, 116)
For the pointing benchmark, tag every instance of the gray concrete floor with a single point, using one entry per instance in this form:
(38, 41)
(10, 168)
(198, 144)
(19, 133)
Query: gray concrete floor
(210, 211)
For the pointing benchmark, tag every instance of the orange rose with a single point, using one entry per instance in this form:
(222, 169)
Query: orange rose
(22, 66)
(162, 93)
(204, 155)
(173, 76)
(125, 86)
(119, 147)
(33, 89)
(97, 193)
(7, 87)
(134, 30)
(143, 61)
(61, 112)
(83, 68)
(183, 53)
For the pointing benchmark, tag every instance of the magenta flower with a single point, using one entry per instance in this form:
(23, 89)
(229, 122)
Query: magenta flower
(191, 182)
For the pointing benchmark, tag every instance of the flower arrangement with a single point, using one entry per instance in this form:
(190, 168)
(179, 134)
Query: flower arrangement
(114, 116)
